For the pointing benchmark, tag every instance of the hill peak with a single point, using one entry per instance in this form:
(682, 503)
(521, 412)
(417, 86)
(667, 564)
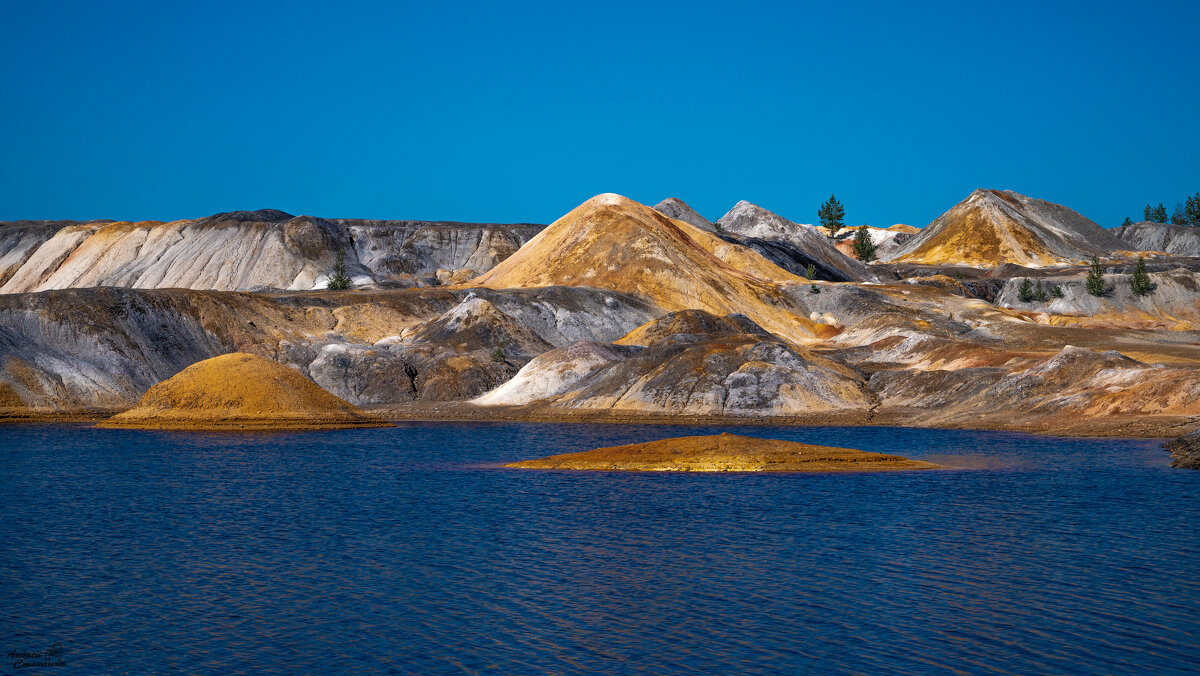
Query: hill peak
(754, 225)
(992, 227)
(612, 242)
(257, 216)
(676, 208)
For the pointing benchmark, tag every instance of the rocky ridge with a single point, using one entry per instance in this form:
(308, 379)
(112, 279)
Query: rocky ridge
(618, 312)
(1185, 451)
(246, 250)
(1175, 240)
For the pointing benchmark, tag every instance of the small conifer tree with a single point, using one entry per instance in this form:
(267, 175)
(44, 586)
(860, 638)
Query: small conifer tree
(1139, 281)
(1127, 221)
(1191, 210)
(339, 280)
(1040, 294)
(498, 356)
(1025, 291)
(810, 272)
(1095, 280)
(831, 214)
(864, 248)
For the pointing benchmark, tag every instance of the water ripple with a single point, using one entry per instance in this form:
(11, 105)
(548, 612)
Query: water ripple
(412, 550)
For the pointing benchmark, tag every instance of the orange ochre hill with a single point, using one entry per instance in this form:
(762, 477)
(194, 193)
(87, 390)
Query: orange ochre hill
(241, 391)
(994, 227)
(724, 453)
(613, 242)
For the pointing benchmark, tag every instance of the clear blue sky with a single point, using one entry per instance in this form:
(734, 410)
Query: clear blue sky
(518, 111)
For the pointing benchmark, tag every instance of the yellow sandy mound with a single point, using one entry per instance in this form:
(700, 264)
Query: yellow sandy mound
(241, 391)
(612, 242)
(724, 453)
(993, 227)
(901, 227)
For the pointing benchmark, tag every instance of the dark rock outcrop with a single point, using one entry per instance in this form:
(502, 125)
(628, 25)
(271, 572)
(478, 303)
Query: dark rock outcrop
(1185, 451)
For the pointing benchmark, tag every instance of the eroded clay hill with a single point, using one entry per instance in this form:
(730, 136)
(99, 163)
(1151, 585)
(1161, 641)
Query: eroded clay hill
(792, 246)
(246, 250)
(689, 363)
(619, 312)
(240, 391)
(1175, 240)
(101, 349)
(612, 242)
(993, 227)
(886, 240)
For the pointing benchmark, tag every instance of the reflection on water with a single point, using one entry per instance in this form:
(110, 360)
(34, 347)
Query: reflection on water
(411, 550)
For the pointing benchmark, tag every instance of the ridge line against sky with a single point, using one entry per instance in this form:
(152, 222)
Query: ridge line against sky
(518, 113)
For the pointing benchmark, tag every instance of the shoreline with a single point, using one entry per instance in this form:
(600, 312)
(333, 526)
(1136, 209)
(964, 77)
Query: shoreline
(1128, 427)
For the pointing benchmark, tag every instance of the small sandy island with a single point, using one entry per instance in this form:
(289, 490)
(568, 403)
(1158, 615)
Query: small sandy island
(725, 453)
(241, 391)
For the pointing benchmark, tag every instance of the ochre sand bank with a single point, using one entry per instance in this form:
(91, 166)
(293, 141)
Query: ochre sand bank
(724, 453)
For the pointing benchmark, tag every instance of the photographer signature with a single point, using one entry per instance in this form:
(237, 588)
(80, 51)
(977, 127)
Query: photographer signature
(49, 657)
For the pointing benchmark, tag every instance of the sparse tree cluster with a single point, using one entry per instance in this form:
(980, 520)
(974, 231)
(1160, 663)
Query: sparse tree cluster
(1187, 213)
(1028, 293)
(1139, 281)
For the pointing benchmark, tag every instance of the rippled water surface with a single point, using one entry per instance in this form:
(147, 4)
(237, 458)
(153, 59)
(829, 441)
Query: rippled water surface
(410, 550)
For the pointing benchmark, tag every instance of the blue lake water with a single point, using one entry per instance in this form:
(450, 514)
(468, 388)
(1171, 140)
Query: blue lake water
(409, 550)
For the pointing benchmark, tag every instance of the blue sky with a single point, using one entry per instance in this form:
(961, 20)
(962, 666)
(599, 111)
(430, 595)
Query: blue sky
(518, 111)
